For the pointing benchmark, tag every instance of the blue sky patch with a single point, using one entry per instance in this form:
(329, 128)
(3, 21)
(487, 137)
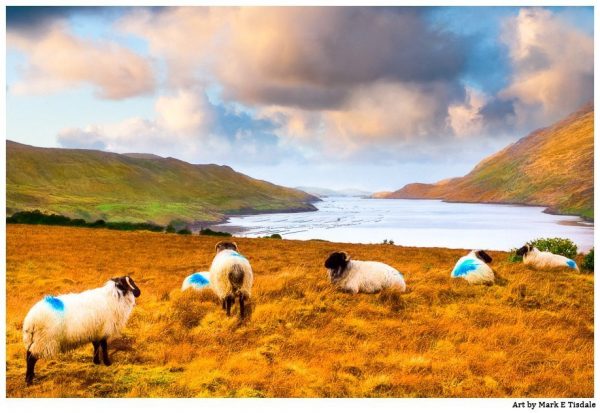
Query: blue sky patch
(464, 268)
(55, 303)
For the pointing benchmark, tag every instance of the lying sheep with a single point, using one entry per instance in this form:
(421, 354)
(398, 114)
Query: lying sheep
(58, 324)
(197, 281)
(231, 277)
(544, 259)
(362, 276)
(474, 268)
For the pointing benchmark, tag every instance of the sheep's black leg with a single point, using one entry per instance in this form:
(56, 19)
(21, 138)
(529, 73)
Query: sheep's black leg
(96, 352)
(242, 305)
(224, 303)
(31, 359)
(104, 346)
(229, 300)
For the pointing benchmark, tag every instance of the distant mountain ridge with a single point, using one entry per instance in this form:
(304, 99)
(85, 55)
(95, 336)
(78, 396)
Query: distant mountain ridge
(552, 167)
(92, 184)
(324, 192)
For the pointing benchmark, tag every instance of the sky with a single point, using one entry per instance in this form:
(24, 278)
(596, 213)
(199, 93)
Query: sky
(336, 97)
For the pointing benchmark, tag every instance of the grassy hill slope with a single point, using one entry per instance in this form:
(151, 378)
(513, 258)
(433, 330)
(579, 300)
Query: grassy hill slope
(552, 167)
(532, 335)
(101, 185)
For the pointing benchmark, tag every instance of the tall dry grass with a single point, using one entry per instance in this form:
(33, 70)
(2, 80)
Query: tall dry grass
(530, 335)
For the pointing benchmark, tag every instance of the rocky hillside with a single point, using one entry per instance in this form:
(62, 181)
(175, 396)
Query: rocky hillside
(553, 167)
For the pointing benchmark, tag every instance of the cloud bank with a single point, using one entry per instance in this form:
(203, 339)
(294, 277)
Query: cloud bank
(317, 84)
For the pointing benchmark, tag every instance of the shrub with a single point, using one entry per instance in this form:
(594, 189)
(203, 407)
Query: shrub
(170, 229)
(588, 261)
(184, 231)
(208, 231)
(273, 236)
(561, 246)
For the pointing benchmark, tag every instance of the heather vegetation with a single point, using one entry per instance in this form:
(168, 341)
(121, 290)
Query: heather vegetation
(530, 336)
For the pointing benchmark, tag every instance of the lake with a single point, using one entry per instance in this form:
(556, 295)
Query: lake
(420, 223)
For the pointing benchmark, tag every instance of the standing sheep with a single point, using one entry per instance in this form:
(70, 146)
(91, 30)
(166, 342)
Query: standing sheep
(231, 277)
(544, 259)
(362, 276)
(474, 268)
(58, 324)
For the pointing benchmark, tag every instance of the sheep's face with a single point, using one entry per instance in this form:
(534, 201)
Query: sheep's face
(483, 256)
(126, 284)
(225, 245)
(337, 263)
(524, 250)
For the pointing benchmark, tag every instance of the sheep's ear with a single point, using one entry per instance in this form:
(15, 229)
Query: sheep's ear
(218, 245)
(483, 256)
(235, 245)
(345, 255)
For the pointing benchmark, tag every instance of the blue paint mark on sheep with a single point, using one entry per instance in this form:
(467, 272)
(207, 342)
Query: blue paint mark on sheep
(571, 263)
(464, 268)
(237, 254)
(198, 279)
(55, 303)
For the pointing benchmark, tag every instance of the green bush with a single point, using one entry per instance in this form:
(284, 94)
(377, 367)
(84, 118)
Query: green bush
(273, 236)
(170, 229)
(184, 231)
(560, 246)
(208, 231)
(588, 261)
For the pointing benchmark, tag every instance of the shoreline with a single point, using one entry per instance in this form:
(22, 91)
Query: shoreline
(547, 209)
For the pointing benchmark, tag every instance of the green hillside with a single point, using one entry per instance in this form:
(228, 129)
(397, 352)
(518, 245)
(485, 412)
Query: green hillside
(93, 185)
(553, 167)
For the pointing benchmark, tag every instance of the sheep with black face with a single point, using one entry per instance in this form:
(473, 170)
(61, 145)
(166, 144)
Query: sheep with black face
(474, 268)
(545, 259)
(231, 277)
(356, 276)
(60, 323)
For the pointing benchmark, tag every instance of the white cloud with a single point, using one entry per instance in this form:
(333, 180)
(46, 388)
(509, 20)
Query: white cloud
(553, 66)
(58, 60)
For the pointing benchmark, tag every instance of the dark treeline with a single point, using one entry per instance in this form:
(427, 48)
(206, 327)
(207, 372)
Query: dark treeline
(39, 218)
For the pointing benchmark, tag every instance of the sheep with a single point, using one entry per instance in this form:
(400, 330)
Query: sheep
(474, 268)
(231, 276)
(544, 259)
(61, 323)
(197, 281)
(362, 276)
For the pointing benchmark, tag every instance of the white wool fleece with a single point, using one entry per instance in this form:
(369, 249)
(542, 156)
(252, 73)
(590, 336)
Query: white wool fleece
(369, 277)
(219, 273)
(545, 259)
(57, 324)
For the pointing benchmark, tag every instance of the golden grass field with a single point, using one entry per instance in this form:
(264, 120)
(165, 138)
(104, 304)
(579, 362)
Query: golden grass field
(530, 335)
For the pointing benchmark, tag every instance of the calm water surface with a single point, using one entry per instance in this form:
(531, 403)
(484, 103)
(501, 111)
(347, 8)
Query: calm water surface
(421, 223)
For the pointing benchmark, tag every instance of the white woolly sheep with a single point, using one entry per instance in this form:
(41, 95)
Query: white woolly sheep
(544, 259)
(474, 268)
(197, 281)
(231, 276)
(362, 276)
(62, 323)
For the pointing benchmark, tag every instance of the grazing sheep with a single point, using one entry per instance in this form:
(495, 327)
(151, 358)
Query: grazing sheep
(197, 281)
(231, 276)
(362, 276)
(474, 268)
(544, 259)
(58, 324)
